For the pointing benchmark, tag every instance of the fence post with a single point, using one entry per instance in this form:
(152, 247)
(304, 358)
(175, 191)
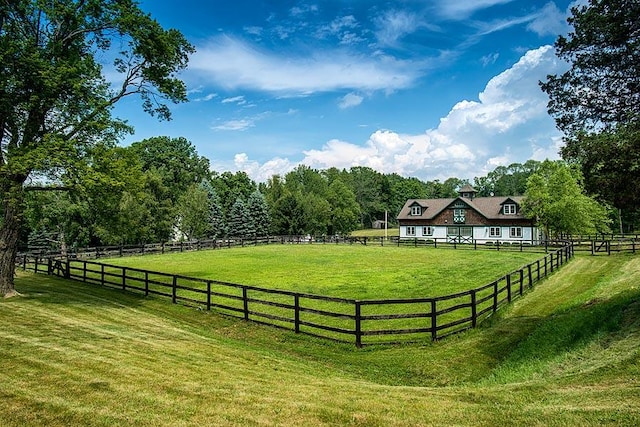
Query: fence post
(434, 321)
(174, 289)
(538, 269)
(67, 273)
(508, 287)
(245, 303)
(101, 274)
(49, 266)
(529, 274)
(474, 309)
(521, 281)
(551, 261)
(35, 269)
(208, 295)
(146, 283)
(24, 262)
(495, 296)
(296, 305)
(124, 278)
(358, 324)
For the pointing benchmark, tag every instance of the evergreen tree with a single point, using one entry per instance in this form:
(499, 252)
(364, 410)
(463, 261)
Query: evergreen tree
(238, 222)
(258, 213)
(215, 216)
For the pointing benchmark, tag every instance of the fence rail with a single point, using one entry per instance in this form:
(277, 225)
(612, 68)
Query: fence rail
(362, 322)
(114, 251)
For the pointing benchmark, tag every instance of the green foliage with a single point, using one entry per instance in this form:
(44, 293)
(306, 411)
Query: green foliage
(344, 209)
(175, 160)
(258, 215)
(231, 186)
(596, 103)
(506, 180)
(215, 216)
(193, 211)
(601, 87)
(555, 198)
(55, 104)
(238, 221)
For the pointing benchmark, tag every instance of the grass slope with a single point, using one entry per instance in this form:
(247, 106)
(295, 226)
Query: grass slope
(566, 354)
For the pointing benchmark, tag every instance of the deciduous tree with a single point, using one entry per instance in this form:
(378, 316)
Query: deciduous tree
(596, 103)
(555, 198)
(55, 103)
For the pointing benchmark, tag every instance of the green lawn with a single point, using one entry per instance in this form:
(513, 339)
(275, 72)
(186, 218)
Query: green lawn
(346, 271)
(567, 354)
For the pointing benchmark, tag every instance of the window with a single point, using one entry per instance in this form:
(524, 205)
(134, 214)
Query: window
(458, 216)
(411, 230)
(495, 231)
(515, 232)
(427, 231)
(416, 210)
(466, 231)
(452, 231)
(509, 209)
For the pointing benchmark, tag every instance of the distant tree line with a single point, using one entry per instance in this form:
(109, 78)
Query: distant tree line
(160, 189)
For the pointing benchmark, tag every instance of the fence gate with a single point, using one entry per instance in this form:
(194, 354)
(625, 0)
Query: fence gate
(602, 246)
(58, 268)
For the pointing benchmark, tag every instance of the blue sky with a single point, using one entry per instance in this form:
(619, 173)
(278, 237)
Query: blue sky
(429, 89)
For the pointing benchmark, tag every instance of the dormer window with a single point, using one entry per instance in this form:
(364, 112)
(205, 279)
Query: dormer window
(509, 209)
(416, 210)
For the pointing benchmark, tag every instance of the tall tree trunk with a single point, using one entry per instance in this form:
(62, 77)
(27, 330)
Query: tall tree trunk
(9, 231)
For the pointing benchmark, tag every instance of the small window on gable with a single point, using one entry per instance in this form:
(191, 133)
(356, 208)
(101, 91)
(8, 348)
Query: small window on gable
(509, 209)
(416, 210)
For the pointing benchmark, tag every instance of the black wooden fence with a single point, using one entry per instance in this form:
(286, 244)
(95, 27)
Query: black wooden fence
(114, 251)
(361, 322)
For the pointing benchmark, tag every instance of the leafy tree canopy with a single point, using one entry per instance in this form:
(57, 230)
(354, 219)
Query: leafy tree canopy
(55, 103)
(602, 87)
(555, 198)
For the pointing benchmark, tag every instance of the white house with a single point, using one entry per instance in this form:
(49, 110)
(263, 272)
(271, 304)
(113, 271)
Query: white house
(467, 218)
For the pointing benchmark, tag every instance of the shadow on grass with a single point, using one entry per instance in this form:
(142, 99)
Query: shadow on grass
(54, 290)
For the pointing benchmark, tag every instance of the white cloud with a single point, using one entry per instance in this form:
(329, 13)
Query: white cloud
(462, 9)
(507, 123)
(489, 59)
(350, 100)
(232, 63)
(549, 21)
(259, 172)
(207, 97)
(393, 25)
(235, 125)
(235, 100)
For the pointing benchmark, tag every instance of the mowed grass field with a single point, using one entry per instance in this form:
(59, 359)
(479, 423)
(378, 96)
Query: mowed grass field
(346, 271)
(567, 354)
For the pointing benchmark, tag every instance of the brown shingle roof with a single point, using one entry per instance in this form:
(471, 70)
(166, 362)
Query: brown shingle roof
(489, 207)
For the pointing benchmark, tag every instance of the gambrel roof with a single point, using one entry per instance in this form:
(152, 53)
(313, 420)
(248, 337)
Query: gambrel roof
(488, 207)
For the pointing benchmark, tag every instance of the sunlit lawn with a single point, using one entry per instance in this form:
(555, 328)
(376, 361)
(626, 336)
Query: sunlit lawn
(567, 354)
(348, 271)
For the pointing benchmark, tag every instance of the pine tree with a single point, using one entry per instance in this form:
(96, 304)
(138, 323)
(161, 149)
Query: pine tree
(258, 213)
(239, 220)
